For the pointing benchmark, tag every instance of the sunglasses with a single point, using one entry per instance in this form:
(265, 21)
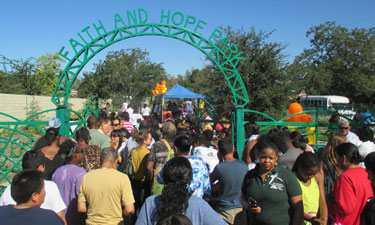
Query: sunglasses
(115, 124)
(343, 128)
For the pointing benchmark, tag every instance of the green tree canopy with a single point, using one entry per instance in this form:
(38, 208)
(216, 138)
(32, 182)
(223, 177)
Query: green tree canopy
(47, 72)
(30, 76)
(263, 73)
(340, 61)
(124, 74)
(17, 76)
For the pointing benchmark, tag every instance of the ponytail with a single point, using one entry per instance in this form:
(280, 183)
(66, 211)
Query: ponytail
(141, 135)
(350, 151)
(135, 133)
(175, 196)
(51, 135)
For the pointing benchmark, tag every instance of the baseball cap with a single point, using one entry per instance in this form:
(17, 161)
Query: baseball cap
(53, 122)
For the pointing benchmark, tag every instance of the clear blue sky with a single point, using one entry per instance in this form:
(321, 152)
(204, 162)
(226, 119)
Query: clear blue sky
(32, 28)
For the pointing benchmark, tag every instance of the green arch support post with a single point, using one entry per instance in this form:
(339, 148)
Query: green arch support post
(134, 23)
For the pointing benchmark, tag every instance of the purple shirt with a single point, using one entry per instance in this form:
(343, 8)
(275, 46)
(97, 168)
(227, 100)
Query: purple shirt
(68, 179)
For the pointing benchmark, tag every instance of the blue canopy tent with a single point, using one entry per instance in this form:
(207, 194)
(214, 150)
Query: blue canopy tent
(178, 91)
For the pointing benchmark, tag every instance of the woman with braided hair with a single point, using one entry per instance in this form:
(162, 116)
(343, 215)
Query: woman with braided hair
(176, 198)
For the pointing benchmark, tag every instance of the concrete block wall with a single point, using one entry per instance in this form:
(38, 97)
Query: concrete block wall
(17, 105)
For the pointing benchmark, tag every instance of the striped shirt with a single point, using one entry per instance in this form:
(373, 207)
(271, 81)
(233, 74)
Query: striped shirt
(129, 126)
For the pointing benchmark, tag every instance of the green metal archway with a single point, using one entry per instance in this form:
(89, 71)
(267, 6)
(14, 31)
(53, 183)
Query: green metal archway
(173, 25)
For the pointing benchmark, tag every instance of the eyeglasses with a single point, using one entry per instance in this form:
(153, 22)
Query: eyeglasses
(343, 128)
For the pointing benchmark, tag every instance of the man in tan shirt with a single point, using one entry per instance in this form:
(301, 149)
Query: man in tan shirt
(105, 191)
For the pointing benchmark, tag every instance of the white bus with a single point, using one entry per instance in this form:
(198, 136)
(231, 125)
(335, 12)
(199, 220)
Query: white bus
(327, 102)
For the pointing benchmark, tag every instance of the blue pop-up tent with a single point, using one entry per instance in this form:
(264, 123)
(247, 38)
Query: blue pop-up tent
(177, 91)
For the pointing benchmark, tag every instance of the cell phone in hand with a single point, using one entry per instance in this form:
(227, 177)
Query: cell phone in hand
(252, 202)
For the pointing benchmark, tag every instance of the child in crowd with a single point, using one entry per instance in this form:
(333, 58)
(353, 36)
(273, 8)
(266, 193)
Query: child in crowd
(306, 168)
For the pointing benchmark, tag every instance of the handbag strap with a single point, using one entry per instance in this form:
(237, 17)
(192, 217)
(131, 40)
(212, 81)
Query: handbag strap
(168, 146)
(130, 154)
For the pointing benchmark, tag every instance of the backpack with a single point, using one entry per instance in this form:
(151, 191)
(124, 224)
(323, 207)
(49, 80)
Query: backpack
(157, 187)
(129, 170)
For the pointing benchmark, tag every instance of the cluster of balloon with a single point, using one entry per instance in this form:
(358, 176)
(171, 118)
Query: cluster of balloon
(303, 118)
(160, 88)
(297, 108)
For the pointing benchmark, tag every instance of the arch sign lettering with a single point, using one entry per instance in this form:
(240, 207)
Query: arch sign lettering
(134, 23)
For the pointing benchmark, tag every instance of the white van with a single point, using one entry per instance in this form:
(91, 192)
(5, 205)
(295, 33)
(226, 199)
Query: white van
(327, 102)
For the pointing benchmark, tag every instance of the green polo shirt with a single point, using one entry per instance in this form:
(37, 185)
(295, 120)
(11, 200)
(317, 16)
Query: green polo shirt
(99, 138)
(272, 194)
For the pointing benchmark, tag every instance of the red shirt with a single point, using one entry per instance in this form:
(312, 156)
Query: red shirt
(351, 191)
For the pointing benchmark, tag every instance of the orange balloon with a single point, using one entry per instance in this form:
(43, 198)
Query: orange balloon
(305, 118)
(163, 82)
(294, 119)
(297, 118)
(295, 108)
(291, 119)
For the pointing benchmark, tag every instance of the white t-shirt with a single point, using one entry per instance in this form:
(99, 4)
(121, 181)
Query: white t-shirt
(125, 104)
(209, 156)
(52, 201)
(146, 111)
(189, 107)
(364, 149)
(353, 138)
(130, 111)
(134, 118)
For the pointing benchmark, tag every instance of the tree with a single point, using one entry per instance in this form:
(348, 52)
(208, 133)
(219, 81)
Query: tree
(18, 76)
(124, 74)
(340, 61)
(30, 76)
(47, 73)
(3, 82)
(263, 73)
(33, 108)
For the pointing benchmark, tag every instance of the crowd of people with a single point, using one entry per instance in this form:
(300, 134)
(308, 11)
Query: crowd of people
(128, 168)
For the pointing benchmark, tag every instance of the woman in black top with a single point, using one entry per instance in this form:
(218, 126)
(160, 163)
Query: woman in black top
(51, 152)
